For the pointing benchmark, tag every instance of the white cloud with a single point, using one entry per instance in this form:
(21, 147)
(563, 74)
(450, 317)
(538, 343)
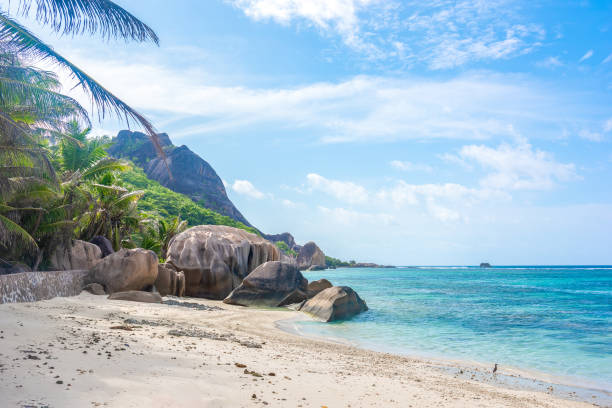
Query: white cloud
(607, 59)
(409, 166)
(288, 203)
(591, 136)
(363, 108)
(342, 190)
(442, 34)
(340, 16)
(608, 125)
(586, 56)
(245, 187)
(355, 218)
(518, 167)
(550, 62)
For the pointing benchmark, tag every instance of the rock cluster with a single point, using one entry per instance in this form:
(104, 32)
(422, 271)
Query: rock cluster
(272, 284)
(216, 258)
(310, 255)
(169, 281)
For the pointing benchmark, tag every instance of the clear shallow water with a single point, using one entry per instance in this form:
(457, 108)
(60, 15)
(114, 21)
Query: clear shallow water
(552, 319)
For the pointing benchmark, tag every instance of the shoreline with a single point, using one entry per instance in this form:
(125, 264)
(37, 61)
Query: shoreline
(582, 389)
(90, 351)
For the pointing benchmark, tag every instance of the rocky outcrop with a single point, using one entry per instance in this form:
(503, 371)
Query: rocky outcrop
(316, 268)
(127, 269)
(34, 286)
(317, 286)
(310, 255)
(169, 281)
(136, 296)
(335, 303)
(189, 173)
(216, 258)
(272, 284)
(285, 237)
(78, 255)
(104, 244)
(287, 259)
(95, 289)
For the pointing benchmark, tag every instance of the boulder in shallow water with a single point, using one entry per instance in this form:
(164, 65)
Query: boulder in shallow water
(272, 284)
(310, 255)
(215, 258)
(127, 269)
(78, 255)
(317, 286)
(95, 289)
(104, 244)
(335, 303)
(136, 296)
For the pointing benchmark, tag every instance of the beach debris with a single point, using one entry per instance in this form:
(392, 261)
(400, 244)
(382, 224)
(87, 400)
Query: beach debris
(239, 365)
(136, 322)
(254, 396)
(191, 305)
(122, 327)
(202, 334)
(253, 373)
(272, 374)
(495, 368)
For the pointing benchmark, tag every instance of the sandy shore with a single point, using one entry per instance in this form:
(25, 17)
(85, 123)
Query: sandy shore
(82, 352)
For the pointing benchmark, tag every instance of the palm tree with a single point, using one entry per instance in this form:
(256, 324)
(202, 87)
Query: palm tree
(31, 106)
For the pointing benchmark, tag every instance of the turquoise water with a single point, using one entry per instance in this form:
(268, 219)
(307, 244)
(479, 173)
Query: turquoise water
(556, 320)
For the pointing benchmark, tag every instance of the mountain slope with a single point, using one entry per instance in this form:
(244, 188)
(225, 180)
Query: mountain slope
(189, 173)
(168, 203)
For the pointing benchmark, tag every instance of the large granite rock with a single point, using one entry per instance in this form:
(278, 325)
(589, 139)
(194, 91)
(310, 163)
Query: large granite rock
(215, 258)
(317, 286)
(310, 255)
(78, 255)
(136, 296)
(335, 303)
(169, 281)
(127, 269)
(8, 268)
(104, 244)
(191, 175)
(272, 284)
(285, 237)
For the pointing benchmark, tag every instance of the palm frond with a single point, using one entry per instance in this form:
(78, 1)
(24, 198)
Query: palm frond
(25, 42)
(90, 16)
(12, 234)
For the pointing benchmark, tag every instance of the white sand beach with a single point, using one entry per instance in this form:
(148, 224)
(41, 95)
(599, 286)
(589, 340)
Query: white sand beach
(80, 352)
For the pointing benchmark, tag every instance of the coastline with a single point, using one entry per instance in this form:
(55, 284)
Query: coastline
(567, 387)
(192, 354)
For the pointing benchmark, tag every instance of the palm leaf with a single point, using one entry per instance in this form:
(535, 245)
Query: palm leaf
(90, 16)
(12, 234)
(26, 43)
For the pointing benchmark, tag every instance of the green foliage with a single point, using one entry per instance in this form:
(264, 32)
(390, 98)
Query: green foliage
(285, 248)
(336, 263)
(168, 203)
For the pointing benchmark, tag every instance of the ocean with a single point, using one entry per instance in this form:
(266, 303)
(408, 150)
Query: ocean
(551, 319)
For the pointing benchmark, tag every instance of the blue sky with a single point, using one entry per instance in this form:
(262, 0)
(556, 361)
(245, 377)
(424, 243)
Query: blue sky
(405, 132)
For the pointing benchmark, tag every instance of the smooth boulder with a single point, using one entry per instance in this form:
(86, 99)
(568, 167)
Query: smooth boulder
(127, 269)
(137, 296)
(216, 258)
(95, 289)
(169, 281)
(335, 303)
(317, 286)
(310, 255)
(77, 255)
(104, 244)
(272, 284)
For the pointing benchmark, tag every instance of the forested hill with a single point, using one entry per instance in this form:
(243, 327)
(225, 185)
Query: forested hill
(191, 175)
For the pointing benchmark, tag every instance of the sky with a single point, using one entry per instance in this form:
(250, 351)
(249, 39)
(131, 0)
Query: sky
(398, 132)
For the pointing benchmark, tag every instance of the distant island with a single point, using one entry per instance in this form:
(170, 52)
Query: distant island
(485, 265)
